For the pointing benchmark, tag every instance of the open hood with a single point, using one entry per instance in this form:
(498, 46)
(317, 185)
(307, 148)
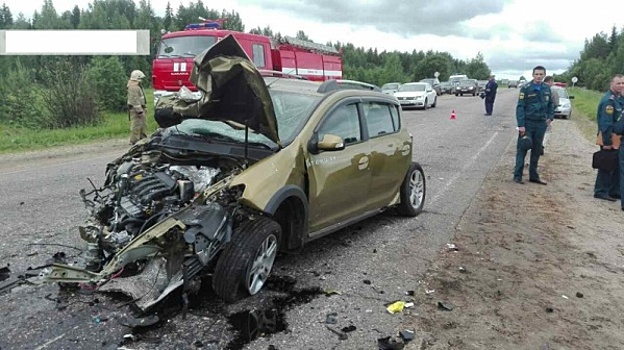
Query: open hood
(233, 88)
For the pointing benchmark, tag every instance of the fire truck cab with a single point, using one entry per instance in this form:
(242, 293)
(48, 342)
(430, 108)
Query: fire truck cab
(171, 68)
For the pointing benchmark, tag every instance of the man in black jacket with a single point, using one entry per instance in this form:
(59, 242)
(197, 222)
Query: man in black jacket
(490, 94)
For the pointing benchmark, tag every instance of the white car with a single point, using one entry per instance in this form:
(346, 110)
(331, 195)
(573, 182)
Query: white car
(419, 95)
(564, 109)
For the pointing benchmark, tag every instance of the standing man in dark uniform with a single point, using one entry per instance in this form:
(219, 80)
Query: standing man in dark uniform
(618, 128)
(534, 113)
(490, 94)
(607, 185)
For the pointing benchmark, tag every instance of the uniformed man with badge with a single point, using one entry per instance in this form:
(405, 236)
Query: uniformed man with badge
(610, 128)
(534, 113)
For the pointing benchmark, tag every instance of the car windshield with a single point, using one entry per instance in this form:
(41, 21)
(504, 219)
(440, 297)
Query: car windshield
(467, 82)
(412, 87)
(390, 86)
(217, 130)
(185, 46)
(292, 111)
(563, 93)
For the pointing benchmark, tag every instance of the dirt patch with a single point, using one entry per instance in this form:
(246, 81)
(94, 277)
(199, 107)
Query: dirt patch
(534, 267)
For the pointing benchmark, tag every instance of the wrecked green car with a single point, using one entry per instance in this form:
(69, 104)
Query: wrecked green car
(262, 163)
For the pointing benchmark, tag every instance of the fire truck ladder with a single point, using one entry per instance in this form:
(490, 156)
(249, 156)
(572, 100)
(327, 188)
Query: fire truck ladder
(309, 45)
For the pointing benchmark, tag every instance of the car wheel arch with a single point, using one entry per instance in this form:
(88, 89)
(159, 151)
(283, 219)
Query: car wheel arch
(288, 203)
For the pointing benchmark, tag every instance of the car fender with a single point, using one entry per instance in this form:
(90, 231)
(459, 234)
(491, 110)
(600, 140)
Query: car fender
(295, 239)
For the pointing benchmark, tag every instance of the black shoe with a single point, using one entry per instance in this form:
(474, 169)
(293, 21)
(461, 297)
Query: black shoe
(538, 181)
(606, 198)
(518, 181)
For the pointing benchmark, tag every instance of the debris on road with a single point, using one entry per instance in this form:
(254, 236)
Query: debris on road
(446, 306)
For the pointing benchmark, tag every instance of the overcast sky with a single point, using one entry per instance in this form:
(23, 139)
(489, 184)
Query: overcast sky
(513, 35)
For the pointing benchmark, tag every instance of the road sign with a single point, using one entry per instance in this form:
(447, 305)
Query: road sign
(436, 74)
(574, 80)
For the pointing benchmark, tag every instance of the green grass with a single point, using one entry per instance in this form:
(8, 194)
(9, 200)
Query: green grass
(114, 126)
(584, 107)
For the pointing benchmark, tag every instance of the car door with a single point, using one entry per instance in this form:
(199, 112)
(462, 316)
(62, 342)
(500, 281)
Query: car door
(390, 154)
(339, 180)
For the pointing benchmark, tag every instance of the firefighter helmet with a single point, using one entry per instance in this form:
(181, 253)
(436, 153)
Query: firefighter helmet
(136, 75)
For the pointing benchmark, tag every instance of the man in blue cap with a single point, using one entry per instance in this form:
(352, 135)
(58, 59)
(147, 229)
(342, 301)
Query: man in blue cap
(534, 113)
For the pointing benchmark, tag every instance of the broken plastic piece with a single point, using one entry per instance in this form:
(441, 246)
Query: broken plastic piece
(429, 291)
(452, 247)
(329, 292)
(341, 335)
(348, 329)
(389, 343)
(446, 306)
(395, 307)
(331, 318)
(407, 335)
(579, 294)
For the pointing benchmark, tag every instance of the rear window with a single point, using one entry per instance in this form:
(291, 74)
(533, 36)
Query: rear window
(185, 46)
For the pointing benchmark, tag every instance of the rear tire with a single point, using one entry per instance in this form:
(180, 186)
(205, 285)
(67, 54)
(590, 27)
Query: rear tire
(246, 262)
(413, 191)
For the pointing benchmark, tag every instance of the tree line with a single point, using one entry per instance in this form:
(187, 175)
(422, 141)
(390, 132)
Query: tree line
(57, 92)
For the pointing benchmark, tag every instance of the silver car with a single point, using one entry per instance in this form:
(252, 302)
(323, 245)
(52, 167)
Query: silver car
(564, 109)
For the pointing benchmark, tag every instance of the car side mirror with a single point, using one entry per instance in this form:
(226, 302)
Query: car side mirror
(570, 97)
(331, 142)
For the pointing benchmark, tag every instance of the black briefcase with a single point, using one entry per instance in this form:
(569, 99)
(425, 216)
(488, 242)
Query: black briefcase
(605, 159)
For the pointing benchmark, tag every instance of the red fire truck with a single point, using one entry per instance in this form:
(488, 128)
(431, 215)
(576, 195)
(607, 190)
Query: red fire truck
(171, 68)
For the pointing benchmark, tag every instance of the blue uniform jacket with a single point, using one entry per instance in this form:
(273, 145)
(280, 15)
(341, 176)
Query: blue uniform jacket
(490, 89)
(534, 104)
(618, 127)
(609, 110)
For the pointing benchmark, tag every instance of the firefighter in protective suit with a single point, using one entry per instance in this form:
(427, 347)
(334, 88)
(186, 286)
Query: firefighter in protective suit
(136, 107)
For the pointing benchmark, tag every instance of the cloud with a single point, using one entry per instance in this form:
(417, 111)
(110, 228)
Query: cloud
(405, 18)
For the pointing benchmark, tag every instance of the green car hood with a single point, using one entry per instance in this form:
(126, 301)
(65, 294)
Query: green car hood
(234, 90)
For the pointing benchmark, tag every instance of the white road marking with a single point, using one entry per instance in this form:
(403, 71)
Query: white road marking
(469, 164)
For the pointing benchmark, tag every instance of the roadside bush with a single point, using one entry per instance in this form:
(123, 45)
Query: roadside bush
(108, 79)
(21, 103)
(68, 96)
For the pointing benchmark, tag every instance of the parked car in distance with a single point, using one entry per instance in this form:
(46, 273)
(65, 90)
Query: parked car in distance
(446, 87)
(435, 83)
(207, 196)
(564, 109)
(390, 88)
(512, 84)
(467, 86)
(417, 94)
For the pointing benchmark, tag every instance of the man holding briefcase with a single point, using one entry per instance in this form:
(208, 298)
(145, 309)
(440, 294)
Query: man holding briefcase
(607, 185)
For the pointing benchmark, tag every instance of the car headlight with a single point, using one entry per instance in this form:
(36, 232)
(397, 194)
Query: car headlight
(566, 105)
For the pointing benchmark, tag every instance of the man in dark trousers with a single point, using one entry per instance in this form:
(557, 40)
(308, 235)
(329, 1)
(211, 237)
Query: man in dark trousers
(534, 113)
(607, 185)
(490, 94)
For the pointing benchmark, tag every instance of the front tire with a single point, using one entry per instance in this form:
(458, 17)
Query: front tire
(413, 191)
(435, 102)
(246, 263)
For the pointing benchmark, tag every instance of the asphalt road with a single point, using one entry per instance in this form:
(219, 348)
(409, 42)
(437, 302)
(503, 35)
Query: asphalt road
(368, 265)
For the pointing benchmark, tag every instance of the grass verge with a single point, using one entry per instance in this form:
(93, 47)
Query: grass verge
(114, 126)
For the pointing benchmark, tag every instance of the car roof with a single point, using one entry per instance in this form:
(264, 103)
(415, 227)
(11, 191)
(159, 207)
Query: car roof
(316, 88)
